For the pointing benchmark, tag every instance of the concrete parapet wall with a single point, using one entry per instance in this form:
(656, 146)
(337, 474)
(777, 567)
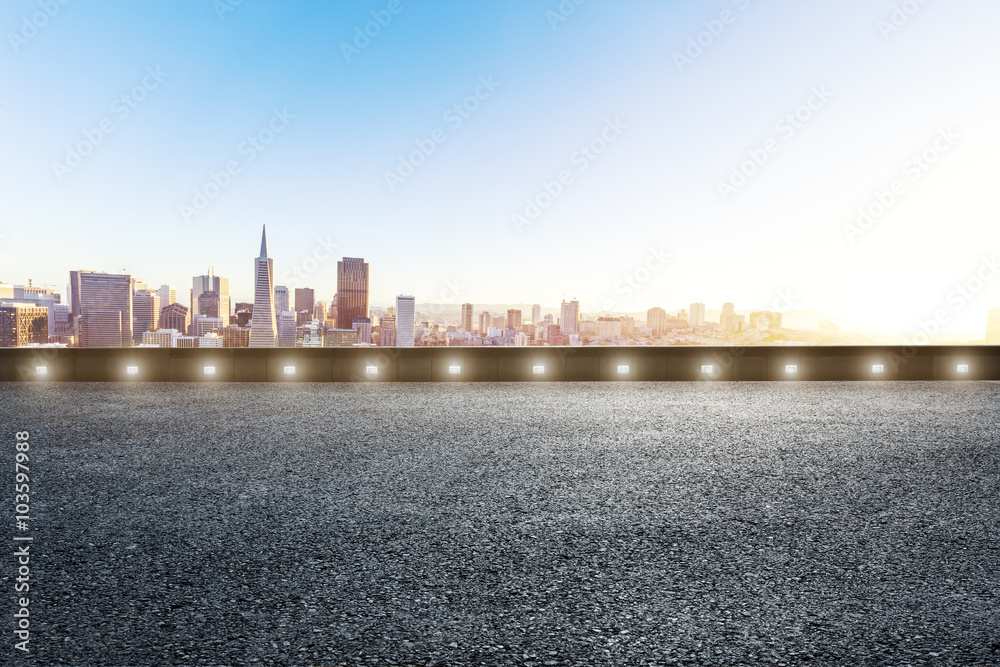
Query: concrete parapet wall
(500, 364)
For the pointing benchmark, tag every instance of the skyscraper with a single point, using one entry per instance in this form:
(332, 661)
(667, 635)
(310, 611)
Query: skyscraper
(167, 294)
(208, 304)
(727, 321)
(263, 324)
(485, 321)
(405, 320)
(23, 323)
(281, 304)
(363, 325)
(175, 316)
(513, 318)
(656, 319)
(101, 306)
(305, 303)
(286, 329)
(387, 331)
(210, 283)
(569, 315)
(145, 312)
(466, 317)
(536, 314)
(352, 290)
(697, 316)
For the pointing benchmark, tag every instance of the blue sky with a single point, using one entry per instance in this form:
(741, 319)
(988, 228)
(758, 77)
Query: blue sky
(679, 130)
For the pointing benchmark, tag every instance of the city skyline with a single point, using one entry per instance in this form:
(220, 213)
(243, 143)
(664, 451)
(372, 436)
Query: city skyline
(856, 175)
(353, 280)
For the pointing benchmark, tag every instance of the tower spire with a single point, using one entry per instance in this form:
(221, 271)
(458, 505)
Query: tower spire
(263, 242)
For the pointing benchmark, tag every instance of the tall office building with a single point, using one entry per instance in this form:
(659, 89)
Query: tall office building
(466, 317)
(513, 318)
(23, 323)
(363, 325)
(244, 312)
(727, 321)
(209, 304)
(305, 303)
(485, 321)
(175, 316)
(697, 316)
(101, 306)
(235, 337)
(352, 290)
(263, 323)
(656, 319)
(145, 312)
(387, 331)
(286, 329)
(536, 314)
(167, 294)
(569, 316)
(993, 327)
(281, 303)
(211, 283)
(405, 320)
(319, 312)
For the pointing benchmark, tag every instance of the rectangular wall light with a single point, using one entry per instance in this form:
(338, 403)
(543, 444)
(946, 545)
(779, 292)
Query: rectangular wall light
(371, 370)
(963, 368)
(878, 368)
(454, 370)
(791, 369)
(708, 369)
(538, 370)
(623, 369)
(289, 370)
(132, 370)
(209, 370)
(41, 370)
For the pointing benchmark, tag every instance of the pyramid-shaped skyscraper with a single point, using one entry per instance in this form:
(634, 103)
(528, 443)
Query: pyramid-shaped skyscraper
(263, 323)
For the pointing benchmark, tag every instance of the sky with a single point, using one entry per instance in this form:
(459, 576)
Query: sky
(629, 154)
